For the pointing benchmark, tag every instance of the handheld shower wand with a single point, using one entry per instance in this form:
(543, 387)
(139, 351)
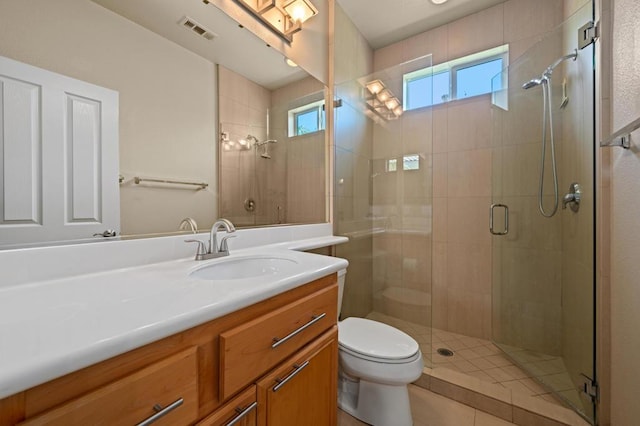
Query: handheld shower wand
(547, 120)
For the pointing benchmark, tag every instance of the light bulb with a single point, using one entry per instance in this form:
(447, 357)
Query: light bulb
(392, 103)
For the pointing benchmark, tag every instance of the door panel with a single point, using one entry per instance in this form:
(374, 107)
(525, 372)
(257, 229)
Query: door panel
(543, 269)
(59, 161)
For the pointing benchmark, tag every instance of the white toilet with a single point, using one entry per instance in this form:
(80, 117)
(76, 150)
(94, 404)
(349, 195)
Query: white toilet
(377, 362)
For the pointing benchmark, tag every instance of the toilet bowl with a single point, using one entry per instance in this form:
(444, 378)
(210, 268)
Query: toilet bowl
(376, 363)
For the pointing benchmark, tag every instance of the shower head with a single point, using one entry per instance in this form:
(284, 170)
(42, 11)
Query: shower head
(533, 83)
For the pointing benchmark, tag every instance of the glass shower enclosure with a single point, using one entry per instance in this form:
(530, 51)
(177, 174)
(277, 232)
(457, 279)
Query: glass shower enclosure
(542, 214)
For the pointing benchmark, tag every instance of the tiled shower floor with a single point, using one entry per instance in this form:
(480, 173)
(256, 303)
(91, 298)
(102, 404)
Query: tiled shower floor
(482, 359)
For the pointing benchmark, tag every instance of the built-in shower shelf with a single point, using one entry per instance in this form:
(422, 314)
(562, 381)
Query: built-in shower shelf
(622, 137)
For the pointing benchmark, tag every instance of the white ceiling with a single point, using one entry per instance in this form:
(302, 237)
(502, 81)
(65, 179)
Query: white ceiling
(234, 47)
(383, 22)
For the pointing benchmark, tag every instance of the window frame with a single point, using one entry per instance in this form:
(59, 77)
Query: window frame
(452, 67)
(294, 113)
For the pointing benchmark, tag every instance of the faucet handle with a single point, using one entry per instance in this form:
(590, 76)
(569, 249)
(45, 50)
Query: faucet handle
(202, 249)
(224, 247)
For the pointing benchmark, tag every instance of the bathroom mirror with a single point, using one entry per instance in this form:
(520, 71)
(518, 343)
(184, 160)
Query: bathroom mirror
(165, 58)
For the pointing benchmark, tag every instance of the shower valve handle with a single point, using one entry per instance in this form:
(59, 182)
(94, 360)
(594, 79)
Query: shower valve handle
(573, 197)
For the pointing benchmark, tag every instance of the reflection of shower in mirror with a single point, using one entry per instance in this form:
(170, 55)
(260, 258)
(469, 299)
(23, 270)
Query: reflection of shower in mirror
(265, 147)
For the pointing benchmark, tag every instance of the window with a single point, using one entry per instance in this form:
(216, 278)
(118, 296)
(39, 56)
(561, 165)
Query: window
(458, 79)
(308, 118)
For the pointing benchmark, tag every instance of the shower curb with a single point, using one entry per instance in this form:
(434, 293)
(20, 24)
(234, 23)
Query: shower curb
(496, 400)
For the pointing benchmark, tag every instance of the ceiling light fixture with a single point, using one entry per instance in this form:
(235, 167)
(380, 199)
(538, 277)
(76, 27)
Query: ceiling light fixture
(290, 63)
(300, 10)
(438, 1)
(283, 17)
(380, 101)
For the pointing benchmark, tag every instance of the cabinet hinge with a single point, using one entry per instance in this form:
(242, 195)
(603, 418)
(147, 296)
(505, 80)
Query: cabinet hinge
(587, 34)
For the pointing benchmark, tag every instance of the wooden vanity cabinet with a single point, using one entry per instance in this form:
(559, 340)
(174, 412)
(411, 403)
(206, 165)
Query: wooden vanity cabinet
(240, 411)
(302, 390)
(217, 370)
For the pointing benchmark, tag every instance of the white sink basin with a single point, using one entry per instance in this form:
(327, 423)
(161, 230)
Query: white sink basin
(245, 267)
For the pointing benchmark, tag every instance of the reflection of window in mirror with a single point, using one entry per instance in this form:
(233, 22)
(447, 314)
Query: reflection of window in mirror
(411, 162)
(306, 119)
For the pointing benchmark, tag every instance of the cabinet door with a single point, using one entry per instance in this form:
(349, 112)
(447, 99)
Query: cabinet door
(240, 411)
(303, 389)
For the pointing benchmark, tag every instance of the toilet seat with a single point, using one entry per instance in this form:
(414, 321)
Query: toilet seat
(376, 342)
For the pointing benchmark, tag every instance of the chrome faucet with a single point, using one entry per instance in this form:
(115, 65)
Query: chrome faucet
(189, 222)
(223, 250)
(214, 250)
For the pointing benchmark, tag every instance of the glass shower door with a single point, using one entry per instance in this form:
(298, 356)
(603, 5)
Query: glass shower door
(543, 261)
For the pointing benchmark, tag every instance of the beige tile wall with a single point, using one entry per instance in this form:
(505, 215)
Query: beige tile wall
(243, 107)
(304, 175)
(290, 186)
(462, 158)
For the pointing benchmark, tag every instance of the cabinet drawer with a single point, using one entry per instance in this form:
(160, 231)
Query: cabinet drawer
(250, 350)
(170, 385)
(240, 411)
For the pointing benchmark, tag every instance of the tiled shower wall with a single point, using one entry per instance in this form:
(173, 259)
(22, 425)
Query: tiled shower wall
(289, 187)
(304, 173)
(462, 187)
(243, 108)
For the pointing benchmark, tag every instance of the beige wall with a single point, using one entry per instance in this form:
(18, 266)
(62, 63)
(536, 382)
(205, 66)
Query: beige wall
(625, 208)
(167, 100)
(462, 169)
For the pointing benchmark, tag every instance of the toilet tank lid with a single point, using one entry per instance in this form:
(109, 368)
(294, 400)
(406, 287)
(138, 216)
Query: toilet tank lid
(375, 339)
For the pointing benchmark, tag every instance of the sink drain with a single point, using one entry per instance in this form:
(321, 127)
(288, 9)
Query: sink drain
(444, 352)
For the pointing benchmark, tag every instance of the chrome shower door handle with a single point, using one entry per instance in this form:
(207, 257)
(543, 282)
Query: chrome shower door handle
(506, 219)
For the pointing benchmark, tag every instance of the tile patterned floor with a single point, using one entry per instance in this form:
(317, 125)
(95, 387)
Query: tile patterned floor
(482, 359)
(430, 409)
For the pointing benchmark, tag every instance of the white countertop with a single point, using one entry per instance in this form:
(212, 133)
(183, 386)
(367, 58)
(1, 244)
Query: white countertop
(53, 327)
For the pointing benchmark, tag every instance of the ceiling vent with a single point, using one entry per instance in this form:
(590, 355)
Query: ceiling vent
(197, 28)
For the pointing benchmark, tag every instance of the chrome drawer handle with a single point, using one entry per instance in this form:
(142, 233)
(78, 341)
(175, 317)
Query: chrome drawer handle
(296, 369)
(161, 412)
(242, 413)
(314, 319)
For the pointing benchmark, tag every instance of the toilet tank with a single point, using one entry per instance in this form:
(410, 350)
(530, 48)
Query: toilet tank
(341, 277)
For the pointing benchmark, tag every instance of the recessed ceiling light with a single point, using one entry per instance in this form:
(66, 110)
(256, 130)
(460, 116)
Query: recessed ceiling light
(438, 1)
(290, 62)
